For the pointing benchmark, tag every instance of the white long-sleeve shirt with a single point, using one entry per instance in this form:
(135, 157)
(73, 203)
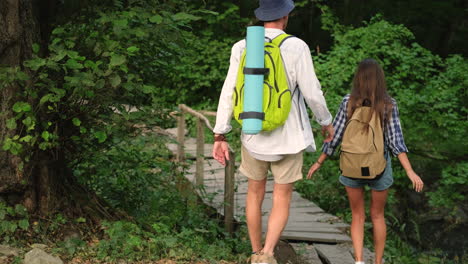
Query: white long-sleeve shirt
(296, 134)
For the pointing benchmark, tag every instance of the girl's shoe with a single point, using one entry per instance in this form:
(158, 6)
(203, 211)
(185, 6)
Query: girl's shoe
(359, 262)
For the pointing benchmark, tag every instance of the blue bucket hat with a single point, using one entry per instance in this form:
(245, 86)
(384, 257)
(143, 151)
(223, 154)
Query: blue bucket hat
(270, 10)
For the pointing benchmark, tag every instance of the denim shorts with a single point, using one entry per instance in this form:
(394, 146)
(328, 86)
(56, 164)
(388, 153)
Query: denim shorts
(382, 183)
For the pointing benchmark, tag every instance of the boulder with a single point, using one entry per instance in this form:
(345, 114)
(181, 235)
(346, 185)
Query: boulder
(8, 251)
(39, 256)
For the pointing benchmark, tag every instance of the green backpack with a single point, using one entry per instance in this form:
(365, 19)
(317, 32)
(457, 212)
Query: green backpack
(276, 93)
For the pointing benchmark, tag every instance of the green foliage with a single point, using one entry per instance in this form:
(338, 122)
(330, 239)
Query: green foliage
(97, 66)
(13, 220)
(200, 75)
(450, 194)
(122, 173)
(106, 73)
(134, 174)
(128, 241)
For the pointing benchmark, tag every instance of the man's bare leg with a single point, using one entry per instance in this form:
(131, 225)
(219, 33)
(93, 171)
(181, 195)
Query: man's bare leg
(253, 212)
(279, 215)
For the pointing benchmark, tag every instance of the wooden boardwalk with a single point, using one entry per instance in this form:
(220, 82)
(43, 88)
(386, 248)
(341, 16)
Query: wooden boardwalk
(307, 222)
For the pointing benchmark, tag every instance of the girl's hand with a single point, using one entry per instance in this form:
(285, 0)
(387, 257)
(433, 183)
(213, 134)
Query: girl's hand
(313, 169)
(418, 184)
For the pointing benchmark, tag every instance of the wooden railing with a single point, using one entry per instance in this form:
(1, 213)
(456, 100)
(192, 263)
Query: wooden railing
(202, 122)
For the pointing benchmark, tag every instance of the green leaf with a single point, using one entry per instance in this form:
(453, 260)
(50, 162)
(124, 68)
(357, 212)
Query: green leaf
(19, 107)
(20, 210)
(45, 98)
(76, 121)
(29, 123)
(185, 17)
(81, 220)
(148, 89)
(23, 224)
(115, 80)
(133, 49)
(26, 139)
(156, 19)
(90, 64)
(116, 60)
(73, 64)
(12, 227)
(45, 135)
(11, 123)
(35, 48)
(57, 31)
(22, 76)
(101, 136)
(121, 23)
(35, 64)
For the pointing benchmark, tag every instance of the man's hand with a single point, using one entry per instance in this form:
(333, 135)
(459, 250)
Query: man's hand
(221, 152)
(328, 132)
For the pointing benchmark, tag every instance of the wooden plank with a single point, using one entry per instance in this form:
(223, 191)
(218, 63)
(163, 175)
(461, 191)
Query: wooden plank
(295, 197)
(319, 217)
(333, 254)
(340, 226)
(315, 237)
(313, 229)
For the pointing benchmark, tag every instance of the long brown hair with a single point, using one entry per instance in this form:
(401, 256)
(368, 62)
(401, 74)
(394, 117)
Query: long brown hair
(370, 89)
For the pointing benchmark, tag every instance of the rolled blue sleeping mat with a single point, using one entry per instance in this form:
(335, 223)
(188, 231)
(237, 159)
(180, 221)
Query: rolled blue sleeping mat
(253, 88)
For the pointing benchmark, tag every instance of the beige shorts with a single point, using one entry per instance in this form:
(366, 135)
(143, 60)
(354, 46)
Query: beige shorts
(286, 170)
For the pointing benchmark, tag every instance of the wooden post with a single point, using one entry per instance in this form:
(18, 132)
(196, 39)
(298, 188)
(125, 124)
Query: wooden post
(200, 152)
(229, 193)
(181, 135)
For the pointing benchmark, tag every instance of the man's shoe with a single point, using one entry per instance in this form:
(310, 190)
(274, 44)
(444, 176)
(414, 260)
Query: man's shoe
(254, 258)
(265, 259)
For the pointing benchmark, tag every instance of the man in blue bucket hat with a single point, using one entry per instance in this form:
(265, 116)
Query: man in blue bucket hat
(281, 150)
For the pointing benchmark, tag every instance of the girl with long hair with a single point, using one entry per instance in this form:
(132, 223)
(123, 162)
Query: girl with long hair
(369, 89)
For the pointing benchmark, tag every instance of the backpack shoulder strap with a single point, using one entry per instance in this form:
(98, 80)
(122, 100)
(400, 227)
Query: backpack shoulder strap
(281, 38)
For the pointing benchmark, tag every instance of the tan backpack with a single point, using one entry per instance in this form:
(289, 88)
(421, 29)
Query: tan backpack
(362, 148)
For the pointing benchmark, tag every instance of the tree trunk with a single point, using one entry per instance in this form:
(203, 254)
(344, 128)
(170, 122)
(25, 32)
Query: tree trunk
(32, 184)
(44, 185)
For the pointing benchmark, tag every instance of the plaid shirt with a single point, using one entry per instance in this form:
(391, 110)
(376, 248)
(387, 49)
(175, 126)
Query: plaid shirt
(392, 130)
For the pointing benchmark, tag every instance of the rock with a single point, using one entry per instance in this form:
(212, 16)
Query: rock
(285, 254)
(39, 256)
(306, 253)
(8, 251)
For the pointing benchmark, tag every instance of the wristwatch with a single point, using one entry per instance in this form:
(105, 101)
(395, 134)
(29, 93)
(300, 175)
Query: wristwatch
(219, 138)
